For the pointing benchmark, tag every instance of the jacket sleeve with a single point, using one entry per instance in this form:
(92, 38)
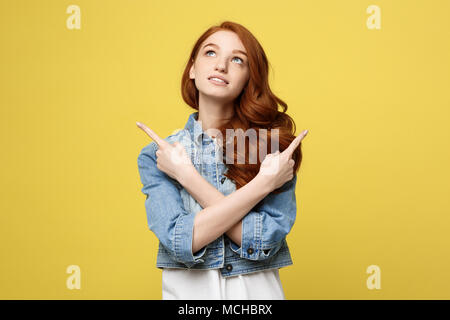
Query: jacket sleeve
(265, 227)
(166, 215)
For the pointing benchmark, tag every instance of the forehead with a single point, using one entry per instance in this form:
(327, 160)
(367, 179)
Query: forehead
(225, 39)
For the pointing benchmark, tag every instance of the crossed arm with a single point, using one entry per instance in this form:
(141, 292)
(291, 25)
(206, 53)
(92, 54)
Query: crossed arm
(185, 235)
(207, 195)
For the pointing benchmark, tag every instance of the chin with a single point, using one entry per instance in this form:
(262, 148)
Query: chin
(216, 93)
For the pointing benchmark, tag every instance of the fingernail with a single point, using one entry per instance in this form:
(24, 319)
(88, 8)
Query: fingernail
(306, 131)
(138, 123)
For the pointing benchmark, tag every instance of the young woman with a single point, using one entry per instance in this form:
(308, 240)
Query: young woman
(222, 226)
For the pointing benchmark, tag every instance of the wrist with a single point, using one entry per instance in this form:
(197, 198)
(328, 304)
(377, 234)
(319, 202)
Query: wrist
(186, 175)
(263, 183)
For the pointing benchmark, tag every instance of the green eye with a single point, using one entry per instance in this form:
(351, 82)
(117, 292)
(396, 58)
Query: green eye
(242, 61)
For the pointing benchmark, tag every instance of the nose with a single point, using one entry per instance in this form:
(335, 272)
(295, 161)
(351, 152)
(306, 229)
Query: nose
(221, 66)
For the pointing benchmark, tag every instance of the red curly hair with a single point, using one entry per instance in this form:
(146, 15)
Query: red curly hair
(255, 108)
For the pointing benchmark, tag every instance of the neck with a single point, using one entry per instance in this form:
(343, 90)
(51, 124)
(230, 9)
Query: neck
(213, 114)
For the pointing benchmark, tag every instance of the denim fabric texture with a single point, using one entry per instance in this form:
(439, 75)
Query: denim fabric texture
(171, 211)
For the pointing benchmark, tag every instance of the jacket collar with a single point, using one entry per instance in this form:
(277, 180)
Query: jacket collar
(194, 127)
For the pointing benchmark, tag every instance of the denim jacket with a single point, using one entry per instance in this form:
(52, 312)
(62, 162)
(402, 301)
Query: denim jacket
(171, 210)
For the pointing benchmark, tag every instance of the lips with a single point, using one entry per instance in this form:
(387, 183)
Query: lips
(218, 83)
(219, 77)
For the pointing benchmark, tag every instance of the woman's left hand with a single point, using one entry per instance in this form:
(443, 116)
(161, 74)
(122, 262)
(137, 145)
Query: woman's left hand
(172, 159)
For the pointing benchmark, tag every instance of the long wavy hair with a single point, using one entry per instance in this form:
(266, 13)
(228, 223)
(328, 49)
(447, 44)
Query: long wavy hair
(255, 108)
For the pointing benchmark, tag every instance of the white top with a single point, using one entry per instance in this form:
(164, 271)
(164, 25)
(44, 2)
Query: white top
(209, 284)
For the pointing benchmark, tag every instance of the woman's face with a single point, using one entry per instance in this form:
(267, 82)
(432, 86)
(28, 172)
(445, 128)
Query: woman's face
(222, 54)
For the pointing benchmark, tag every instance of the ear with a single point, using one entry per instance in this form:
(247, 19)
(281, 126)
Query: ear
(191, 72)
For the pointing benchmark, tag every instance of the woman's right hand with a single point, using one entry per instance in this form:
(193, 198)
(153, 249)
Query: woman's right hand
(277, 168)
(172, 159)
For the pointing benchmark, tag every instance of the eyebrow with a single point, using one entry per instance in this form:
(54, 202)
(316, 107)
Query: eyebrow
(215, 45)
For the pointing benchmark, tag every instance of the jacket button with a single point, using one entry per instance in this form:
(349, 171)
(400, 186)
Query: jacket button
(222, 180)
(229, 267)
(250, 250)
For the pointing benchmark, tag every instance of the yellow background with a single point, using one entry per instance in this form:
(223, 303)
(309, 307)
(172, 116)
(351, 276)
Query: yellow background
(374, 183)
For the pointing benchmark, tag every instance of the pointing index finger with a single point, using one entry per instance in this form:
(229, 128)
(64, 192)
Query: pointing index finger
(294, 144)
(160, 142)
